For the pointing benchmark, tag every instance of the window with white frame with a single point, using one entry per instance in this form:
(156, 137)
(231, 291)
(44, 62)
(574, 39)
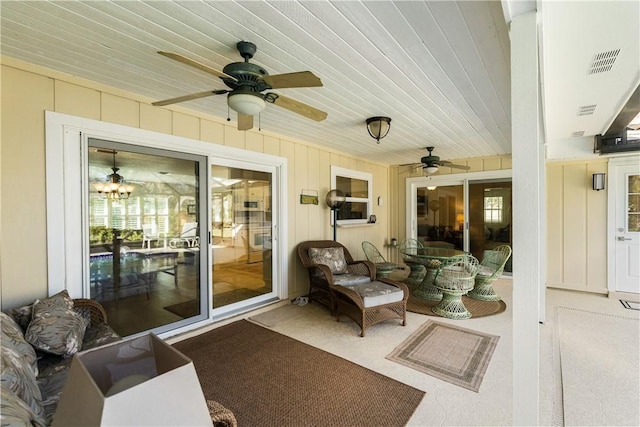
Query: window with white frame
(357, 188)
(493, 209)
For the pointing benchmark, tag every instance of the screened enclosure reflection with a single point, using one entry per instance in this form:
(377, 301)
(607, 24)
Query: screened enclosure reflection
(144, 243)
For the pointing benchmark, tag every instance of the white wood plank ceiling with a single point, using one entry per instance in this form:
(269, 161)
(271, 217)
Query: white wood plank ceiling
(439, 69)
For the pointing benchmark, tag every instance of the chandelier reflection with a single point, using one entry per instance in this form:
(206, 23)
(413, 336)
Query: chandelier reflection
(115, 187)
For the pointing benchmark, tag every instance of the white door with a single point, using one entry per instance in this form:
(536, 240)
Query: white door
(626, 234)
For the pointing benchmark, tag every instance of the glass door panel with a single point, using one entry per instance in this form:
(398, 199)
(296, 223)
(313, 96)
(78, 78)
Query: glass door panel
(440, 216)
(144, 247)
(489, 217)
(241, 201)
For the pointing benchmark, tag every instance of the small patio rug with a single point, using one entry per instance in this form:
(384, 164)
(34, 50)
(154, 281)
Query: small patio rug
(476, 308)
(451, 353)
(185, 309)
(268, 379)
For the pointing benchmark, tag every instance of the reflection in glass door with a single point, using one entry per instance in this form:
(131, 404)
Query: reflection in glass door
(443, 218)
(144, 236)
(241, 214)
(489, 217)
(440, 216)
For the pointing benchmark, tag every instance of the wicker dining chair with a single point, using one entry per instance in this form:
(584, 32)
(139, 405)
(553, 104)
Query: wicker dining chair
(383, 267)
(455, 278)
(490, 269)
(418, 270)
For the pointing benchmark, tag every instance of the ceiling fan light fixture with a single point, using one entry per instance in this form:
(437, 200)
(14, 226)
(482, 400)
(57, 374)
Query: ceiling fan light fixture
(245, 103)
(430, 169)
(378, 127)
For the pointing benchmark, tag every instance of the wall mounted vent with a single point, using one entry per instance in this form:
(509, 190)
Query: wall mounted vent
(577, 134)
(586, 110)
(603, 61)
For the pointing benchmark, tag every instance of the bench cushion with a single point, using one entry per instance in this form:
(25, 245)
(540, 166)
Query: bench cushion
(378, 293)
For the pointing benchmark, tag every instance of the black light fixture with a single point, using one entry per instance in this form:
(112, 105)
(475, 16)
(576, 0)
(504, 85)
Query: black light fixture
(335, 200)
(598, 181)
(378, 127)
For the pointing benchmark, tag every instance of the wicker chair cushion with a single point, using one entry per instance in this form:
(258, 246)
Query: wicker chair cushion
(350, 280)
(55, 327)
(331, 257)
(377, 293)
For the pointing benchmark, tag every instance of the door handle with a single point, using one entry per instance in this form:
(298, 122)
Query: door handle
(622, 238)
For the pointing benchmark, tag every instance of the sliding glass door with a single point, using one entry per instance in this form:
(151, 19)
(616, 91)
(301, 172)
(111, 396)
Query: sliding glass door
(471, 212)
(144, 236)
(489, 216)
(440, 216)
(242, 212)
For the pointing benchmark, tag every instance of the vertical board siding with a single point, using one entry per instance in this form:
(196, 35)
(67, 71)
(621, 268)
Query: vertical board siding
(119, 110)
(555, 252)
(185, 125)
(77, 100)
(23, 249)
(27, 95)
(596, 231)
(155, 119)
(576, 227)
(574, 217)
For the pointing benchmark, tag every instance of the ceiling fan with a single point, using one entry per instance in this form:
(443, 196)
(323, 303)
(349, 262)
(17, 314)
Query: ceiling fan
(247, 82)
(430, 163)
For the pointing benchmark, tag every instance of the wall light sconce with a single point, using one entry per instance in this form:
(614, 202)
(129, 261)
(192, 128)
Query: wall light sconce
(598, 181)
(378, 127)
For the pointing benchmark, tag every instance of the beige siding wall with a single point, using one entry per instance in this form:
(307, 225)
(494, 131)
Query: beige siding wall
(28, 91)
(576, 227)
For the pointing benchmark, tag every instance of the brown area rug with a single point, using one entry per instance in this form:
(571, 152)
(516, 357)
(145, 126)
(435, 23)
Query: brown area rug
(451, 353)
(476, 308)
(269, 379)
(185, 309)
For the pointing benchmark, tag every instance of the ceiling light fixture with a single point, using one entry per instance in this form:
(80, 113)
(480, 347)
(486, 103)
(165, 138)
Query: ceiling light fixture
(246, 103)
(378, 127)
(115, 187)
(430, 169)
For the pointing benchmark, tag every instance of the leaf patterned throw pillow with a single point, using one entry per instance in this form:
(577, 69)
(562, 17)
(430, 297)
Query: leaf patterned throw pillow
(55, 327)
(331, 257)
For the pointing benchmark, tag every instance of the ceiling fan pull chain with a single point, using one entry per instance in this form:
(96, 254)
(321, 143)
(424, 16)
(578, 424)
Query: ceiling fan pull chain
(259, 122)
(228, 118)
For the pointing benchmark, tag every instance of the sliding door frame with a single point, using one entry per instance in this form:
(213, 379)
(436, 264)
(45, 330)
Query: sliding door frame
(412, 185)
(66, 180)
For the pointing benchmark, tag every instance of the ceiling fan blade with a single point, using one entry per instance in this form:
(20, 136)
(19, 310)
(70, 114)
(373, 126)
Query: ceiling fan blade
(451, 165)
(413, 165)
(199, 66)
(296, 106)
(245, 122)
(299, 79)
(189, 97)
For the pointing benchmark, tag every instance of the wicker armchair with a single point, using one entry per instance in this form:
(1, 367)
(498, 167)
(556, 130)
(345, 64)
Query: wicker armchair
(455, 278)
(92, 309)
(491, 268)
(418, 270)
(383, 267)
(321, 279)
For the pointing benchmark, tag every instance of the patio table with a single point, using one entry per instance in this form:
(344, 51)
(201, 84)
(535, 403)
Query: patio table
(431, 258)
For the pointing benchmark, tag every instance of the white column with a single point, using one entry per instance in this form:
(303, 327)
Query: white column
(528, 218)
